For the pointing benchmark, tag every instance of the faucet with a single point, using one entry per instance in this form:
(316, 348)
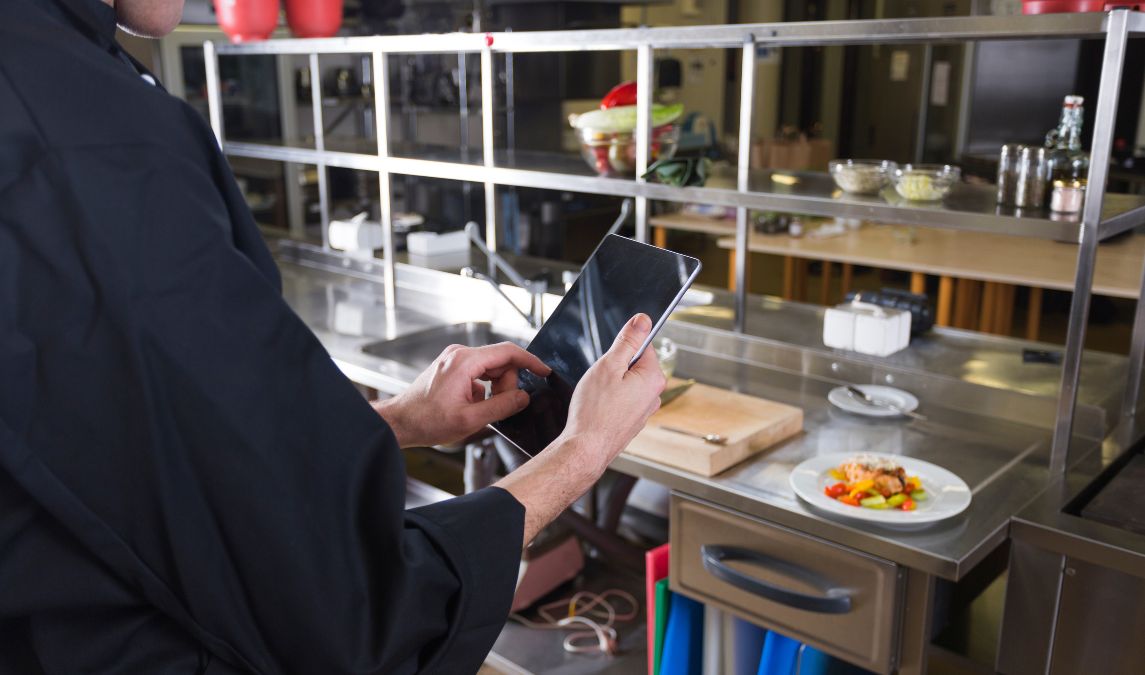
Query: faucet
(536, 289)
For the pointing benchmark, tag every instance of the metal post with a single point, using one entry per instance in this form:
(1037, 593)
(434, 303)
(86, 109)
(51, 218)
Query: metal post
(320, 146)
(382, 131)
(214, 98)
(644, 85)
(463, 127)
(743, 178)
(1113, 61)
(487, 147)
(923, 103)
(1136, 355)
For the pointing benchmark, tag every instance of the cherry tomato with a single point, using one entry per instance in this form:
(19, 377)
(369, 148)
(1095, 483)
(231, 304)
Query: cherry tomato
(848, 499)
(908, 505)
(835, 491)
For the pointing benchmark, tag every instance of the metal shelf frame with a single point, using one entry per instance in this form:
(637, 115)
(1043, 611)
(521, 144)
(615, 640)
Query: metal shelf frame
(1114, 27)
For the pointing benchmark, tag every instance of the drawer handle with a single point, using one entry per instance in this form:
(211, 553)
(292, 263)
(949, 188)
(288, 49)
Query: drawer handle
(832, 601)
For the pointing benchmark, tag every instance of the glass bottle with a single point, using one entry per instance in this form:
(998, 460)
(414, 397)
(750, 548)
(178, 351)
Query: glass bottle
(1067, 160)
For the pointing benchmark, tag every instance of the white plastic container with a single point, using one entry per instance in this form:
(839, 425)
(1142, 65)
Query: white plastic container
(867, 329)
(431, 243)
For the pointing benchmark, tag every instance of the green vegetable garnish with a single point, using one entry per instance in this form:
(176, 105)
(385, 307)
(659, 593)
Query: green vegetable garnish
(874, 502)
(896, 499)
(919, 495)
(623, 118)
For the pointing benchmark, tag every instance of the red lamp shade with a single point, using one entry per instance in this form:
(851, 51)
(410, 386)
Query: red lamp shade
(314, 18)
(247, 20)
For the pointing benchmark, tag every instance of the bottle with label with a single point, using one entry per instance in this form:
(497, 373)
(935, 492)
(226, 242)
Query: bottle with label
(1067, 160)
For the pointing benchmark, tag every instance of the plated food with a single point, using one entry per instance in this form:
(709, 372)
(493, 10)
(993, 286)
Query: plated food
(943, 494)
(873, 482)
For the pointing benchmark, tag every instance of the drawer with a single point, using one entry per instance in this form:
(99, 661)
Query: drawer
(841, 601)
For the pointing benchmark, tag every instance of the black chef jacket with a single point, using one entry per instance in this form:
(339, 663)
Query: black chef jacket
(187, 482)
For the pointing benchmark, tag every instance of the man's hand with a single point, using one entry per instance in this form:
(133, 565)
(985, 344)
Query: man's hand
(612, 402)
(610, 406)
(447, 403)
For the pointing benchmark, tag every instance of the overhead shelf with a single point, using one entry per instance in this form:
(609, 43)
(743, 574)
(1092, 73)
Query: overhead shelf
(876, 31)
(967, 207)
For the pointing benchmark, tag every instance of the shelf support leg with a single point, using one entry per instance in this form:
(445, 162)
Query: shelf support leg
(320, 146)
(945, 300)
(487, 150)
(1034, 313)
(1136, 355)
(381, 78)
(743, 168)
(1112, 64)
(645, 73)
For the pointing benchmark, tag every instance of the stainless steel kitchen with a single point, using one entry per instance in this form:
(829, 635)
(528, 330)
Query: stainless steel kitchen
(679, 337)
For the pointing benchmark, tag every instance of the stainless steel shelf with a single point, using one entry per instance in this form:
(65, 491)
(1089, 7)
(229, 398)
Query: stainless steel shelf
(967, 207)
(879, 31)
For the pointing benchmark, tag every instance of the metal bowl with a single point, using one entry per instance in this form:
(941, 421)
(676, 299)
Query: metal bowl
(861, 176)
(614, 153)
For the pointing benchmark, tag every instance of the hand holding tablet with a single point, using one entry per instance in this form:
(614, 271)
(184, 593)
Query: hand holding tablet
(623, 278)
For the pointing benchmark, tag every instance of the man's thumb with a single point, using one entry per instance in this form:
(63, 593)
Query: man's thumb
(630, 338)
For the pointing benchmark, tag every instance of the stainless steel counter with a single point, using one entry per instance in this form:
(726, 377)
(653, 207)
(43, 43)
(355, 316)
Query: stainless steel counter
(986, 420)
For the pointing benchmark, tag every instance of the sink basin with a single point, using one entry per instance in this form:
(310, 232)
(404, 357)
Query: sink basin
(418, 350)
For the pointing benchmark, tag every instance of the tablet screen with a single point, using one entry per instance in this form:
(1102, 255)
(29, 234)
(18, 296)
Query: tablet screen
(622, 278)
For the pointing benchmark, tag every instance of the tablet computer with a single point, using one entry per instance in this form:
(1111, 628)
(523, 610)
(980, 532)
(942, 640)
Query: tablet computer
(623, 277)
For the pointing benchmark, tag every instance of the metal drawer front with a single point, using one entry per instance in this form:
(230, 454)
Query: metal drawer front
(838, 600)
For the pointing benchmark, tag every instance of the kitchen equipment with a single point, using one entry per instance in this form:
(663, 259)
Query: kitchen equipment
(901, 400)
(861, 176)
(1008, 172)
(749, 425)
(856, 393)
(313, 18)
(925, 182)
(947, 494)
(247, 20)
(1032, 174)
(613, 153)
(714, 439)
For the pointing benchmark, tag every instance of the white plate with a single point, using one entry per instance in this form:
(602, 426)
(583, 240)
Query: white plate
(947, 494)
(903, 399)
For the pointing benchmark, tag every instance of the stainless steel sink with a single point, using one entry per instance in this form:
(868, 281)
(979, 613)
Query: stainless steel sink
(418, 350)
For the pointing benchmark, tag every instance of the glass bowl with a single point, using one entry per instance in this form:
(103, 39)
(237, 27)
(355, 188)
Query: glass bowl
(613, 153)
(925, 182)
(861, 176)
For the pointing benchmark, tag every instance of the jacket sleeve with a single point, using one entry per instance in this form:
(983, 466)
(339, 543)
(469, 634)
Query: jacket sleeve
(185, 424)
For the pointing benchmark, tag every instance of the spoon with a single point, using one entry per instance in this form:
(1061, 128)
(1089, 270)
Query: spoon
(859, 394)
(714, 439)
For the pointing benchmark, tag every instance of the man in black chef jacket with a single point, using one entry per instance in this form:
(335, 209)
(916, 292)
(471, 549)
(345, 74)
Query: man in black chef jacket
(187, 482)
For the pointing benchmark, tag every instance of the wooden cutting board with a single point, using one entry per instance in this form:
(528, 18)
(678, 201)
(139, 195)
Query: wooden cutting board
(750, 424)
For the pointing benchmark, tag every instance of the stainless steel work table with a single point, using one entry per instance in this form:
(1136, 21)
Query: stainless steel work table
(990, 418)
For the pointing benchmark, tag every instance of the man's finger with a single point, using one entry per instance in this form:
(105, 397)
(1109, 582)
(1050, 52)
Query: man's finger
(648, 365)
(506, 381)
(629, 339)
(497, 407)
(497, 358)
